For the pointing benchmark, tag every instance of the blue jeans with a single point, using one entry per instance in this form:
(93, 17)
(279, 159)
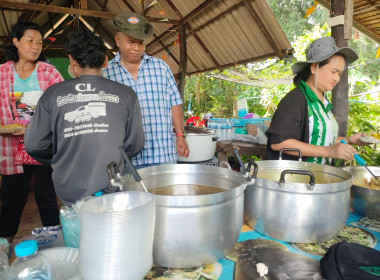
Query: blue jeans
(154, 164)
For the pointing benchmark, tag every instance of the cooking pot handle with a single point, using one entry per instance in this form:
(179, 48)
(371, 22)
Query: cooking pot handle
(291, 149)
(300, 172)
(255, 168)
(215, 138)
(109, 170)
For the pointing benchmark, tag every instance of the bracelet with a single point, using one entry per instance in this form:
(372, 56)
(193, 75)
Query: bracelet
(178, 134)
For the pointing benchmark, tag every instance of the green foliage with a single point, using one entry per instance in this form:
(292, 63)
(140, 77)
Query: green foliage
(290, 14)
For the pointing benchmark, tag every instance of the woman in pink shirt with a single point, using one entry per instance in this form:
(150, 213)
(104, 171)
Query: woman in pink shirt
(25, 76)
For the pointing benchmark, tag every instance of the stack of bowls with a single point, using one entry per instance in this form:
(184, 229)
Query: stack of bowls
(116, 240)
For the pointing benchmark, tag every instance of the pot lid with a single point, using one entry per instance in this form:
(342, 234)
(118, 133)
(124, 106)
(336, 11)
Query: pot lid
(191, 130)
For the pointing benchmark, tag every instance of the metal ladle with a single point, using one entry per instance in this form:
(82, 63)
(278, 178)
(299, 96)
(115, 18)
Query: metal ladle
(132, 168)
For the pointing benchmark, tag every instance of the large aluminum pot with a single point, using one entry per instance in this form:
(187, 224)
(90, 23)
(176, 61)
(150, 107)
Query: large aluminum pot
(192, 228)
(201, 142)
(303, 208)
(365, 201)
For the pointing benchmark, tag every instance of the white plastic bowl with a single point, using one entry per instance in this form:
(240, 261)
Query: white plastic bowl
(64, 263)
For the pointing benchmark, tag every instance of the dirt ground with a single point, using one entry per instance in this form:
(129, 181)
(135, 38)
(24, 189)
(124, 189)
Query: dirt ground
(30, 219)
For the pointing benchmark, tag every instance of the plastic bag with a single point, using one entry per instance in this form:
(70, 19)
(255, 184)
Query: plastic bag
(70, 222)
(48, 237)
(349, 261)
(260, 137)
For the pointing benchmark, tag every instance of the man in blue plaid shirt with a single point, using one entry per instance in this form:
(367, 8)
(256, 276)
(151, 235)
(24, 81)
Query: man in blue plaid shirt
(156, 89)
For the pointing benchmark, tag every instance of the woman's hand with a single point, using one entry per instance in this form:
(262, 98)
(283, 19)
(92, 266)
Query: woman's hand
(341, 151)
(21, 132)
(355, 139)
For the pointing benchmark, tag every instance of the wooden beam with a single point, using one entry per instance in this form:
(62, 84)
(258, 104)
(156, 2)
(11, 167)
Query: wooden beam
(103, 8)
(370, 7)
(182, 28)
(357, 24)
(182, 60)
(193, 32)
(348, 19)
(258, 58)
(174, 8)
(263, 28)
(83, 4)
(206, 50)
(340, 92)
(170, 54)
(184, 20)
(28, 15)
(129, 5)
(217, 17)
(161, 36)
(5, 21)
(55, 9)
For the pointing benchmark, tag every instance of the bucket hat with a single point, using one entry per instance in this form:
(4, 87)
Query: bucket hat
(321, 49)
(132, 24)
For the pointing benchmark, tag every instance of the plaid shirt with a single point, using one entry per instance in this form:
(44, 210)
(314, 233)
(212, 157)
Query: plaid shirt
(157, 92)
(47, 75)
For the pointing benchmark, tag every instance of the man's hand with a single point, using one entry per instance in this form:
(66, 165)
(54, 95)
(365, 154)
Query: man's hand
(182, 147)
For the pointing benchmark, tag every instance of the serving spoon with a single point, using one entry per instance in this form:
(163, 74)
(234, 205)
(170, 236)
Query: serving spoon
(361, 161)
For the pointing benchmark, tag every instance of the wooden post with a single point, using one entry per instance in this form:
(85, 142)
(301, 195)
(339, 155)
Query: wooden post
(83, 4)
(182, 60)
(348, 18)
(340, 92)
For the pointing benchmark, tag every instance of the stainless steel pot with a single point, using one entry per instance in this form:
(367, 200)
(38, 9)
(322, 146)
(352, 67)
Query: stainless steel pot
(193, 229)
(201, 142)
(365, 201)
(298, 201)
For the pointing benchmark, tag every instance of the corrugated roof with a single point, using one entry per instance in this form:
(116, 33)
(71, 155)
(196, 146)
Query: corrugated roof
(219, 33)
(366, 17)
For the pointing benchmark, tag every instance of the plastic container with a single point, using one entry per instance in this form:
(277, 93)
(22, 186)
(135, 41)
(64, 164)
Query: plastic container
(4, 246)
(242, 108)
(64, 263)
(70, 222)
(216, 124)
(29, 264)
(117, 232)
(223, 130)
(4, 266)
(230, 132)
